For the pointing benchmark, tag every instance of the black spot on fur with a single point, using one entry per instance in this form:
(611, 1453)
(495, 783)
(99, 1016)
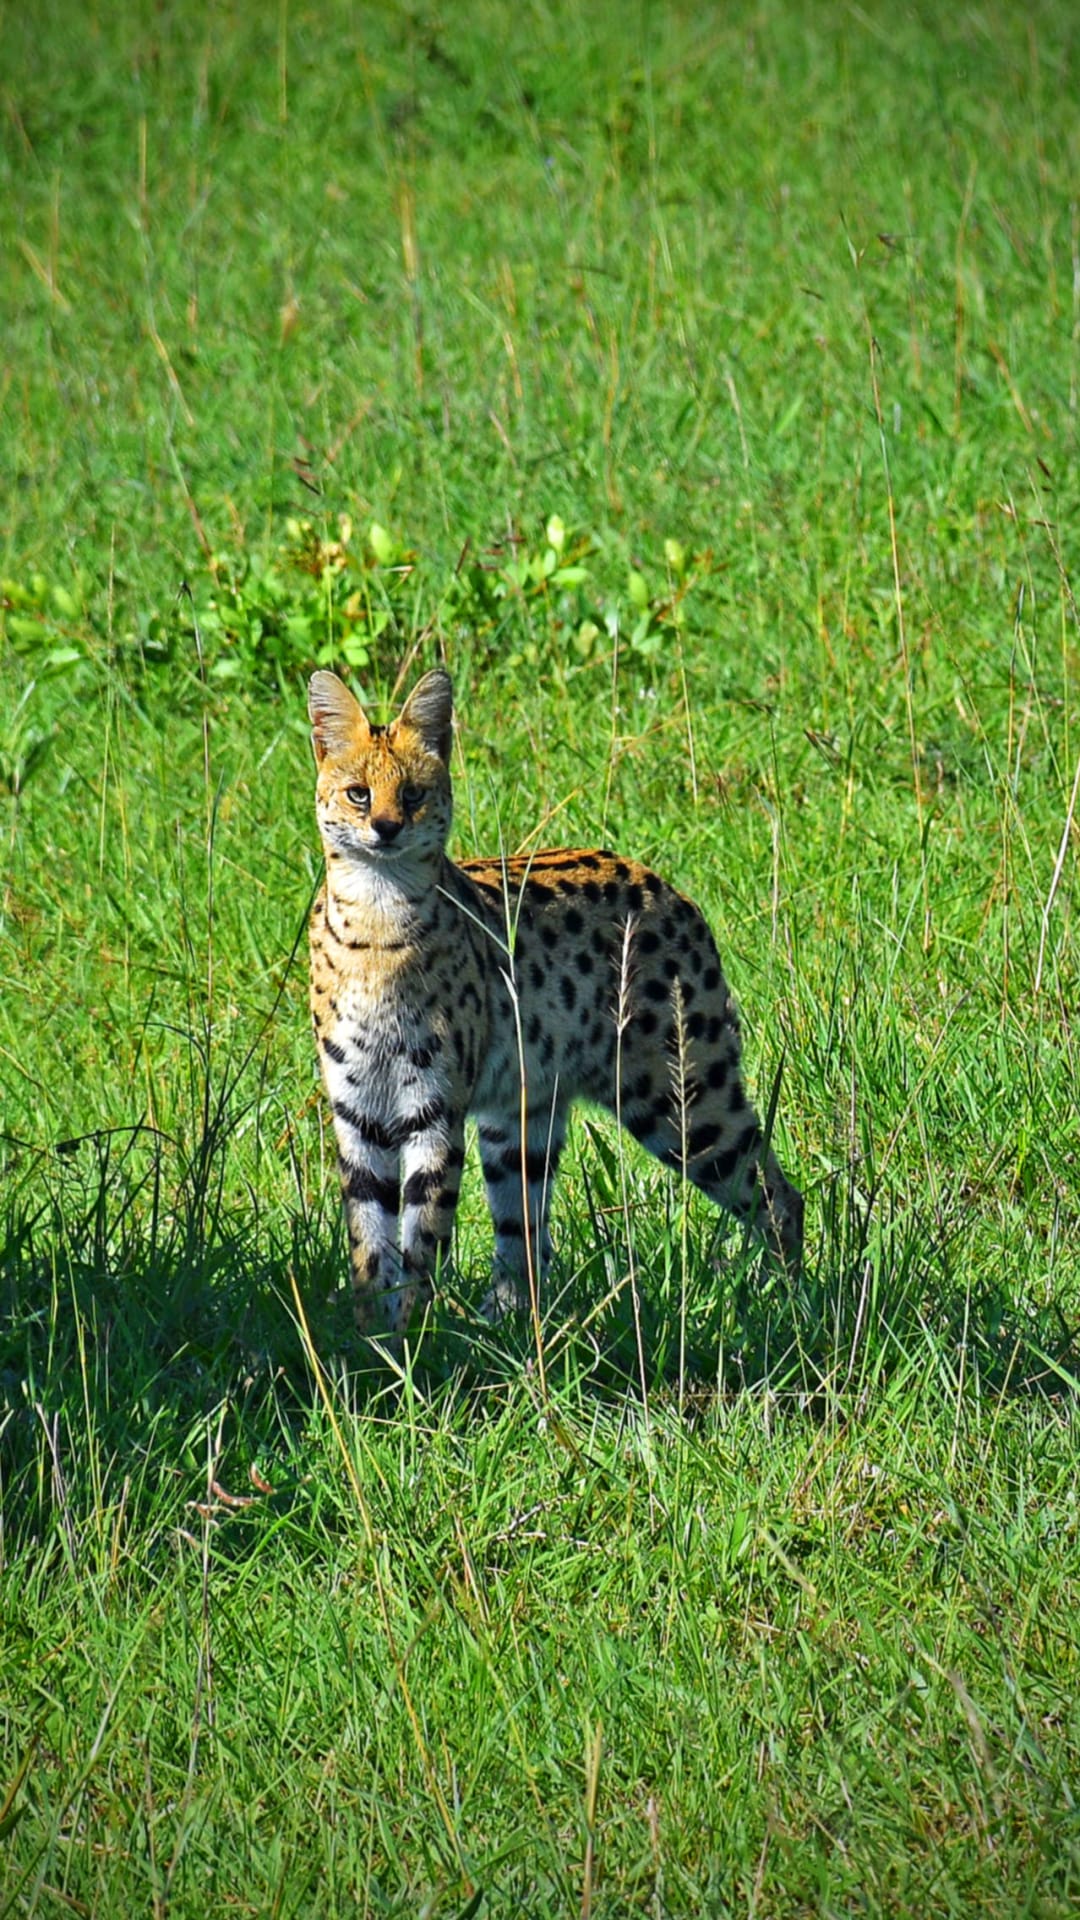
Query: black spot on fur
(369, 1130)
(390, 1139)
(539, 1165)
(419, 1187)
(360, 1183)
(722, 1166)
(645, 1123)
(701, 1138)
(432, 1114)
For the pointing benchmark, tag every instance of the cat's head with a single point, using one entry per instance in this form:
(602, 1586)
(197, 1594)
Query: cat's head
(383, 793)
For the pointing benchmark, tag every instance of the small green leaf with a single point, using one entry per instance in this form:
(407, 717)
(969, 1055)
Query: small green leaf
(646, 639)
(60, 659)
(354, 650)
(23, 626)
(382, 545)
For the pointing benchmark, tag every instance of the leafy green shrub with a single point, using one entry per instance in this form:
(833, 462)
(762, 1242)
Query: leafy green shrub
(315, 599)
(341, 597)
(41, 618)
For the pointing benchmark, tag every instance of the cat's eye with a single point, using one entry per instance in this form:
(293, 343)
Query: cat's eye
(359, 797)
(413, 797)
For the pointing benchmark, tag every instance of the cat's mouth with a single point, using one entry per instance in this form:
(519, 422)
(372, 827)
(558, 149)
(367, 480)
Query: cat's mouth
(349, 842)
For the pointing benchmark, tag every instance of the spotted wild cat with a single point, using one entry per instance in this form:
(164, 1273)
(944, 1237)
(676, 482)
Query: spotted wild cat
(617, 996)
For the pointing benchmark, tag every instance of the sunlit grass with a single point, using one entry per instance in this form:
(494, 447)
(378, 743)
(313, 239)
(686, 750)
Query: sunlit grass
(776, 311)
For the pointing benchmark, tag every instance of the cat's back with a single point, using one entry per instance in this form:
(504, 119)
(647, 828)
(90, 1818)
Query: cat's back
(597, 938)
(582, 900)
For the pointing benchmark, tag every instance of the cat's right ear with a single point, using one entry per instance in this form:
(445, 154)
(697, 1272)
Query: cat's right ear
(336, 716)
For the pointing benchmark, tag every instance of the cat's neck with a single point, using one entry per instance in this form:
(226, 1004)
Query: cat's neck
(385, 892)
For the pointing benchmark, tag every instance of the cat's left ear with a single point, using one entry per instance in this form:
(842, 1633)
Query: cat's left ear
(429, 711)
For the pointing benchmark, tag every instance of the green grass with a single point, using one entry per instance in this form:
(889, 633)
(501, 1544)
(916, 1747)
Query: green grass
(776, 308)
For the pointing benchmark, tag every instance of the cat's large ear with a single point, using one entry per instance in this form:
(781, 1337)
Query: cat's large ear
(337, 718)
(429, 711)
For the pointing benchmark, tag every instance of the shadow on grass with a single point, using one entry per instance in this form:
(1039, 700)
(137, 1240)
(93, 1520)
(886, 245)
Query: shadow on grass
(883, 1288)
(140, 1313)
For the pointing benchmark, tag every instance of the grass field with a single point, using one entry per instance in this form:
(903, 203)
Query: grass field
(702, 386)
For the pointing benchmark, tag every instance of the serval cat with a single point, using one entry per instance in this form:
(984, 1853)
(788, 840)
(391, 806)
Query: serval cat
(425, 1009)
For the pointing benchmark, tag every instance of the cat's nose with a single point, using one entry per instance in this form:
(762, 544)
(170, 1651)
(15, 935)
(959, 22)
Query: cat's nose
(385, 827)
